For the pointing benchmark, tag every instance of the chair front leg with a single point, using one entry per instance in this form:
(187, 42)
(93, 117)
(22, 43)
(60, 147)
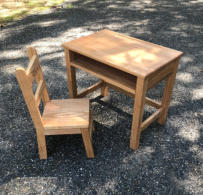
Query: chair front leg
(86, 136)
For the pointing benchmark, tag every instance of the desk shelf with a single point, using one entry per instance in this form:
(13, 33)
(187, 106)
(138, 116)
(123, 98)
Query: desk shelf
(109, 74)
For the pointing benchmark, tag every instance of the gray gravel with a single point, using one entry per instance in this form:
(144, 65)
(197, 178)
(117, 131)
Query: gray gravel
(169, 159)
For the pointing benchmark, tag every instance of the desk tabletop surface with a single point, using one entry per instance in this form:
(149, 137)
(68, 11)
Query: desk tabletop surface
(134, 56)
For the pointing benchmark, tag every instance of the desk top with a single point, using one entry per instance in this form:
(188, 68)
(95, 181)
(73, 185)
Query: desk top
(134, 56)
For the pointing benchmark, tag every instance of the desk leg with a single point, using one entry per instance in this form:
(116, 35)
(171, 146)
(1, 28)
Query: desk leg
(167, 93)
(141, 89)
(72, 85)
(104, 90)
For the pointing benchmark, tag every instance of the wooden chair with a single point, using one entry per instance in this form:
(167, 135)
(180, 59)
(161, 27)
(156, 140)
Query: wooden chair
(65, 116)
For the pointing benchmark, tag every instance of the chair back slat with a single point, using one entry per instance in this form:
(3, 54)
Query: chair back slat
(39, 91)
(26, 78)
(32, 68)
(26, 88)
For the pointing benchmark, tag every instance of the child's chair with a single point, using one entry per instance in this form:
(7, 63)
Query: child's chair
(65, 116)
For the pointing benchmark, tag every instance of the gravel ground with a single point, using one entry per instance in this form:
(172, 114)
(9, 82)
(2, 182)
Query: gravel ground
(169, 159)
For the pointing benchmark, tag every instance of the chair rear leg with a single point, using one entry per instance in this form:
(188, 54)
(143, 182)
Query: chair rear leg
(104, 90)
(41, 140)
(86, 136)
(91, 128)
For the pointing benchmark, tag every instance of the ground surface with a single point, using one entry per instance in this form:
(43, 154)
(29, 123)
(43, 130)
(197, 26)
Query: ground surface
(11, 10)
(169, 158)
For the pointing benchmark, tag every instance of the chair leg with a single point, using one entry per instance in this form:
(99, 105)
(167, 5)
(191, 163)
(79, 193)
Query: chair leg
(86, 136)
(41, 140)
(104, 90)
(91, 128)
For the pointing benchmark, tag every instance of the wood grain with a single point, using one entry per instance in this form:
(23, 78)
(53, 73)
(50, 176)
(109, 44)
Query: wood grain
(59, 116)
(38, 75)
(72, 85)
(168, 89)
(106, 73)
(38, 93)
(26, 87)
(90, 89)
(66, 114)
(129, 65)
(87, 142)
(131, 55)
(104, 89)
(62, 131)
(138, 113)
(152, 103)
(151, 119)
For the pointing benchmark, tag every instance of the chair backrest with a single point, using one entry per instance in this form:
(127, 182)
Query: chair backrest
(25, 79)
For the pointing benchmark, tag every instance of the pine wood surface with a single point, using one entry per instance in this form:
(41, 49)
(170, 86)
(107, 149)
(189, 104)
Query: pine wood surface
(108, 74)
(131, 55)
(66, 114)
(129, 65)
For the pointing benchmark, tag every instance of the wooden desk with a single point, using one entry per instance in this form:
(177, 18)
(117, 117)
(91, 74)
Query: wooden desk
(127, 64)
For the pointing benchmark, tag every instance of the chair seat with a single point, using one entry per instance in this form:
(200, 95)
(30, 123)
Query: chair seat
(66, 114)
